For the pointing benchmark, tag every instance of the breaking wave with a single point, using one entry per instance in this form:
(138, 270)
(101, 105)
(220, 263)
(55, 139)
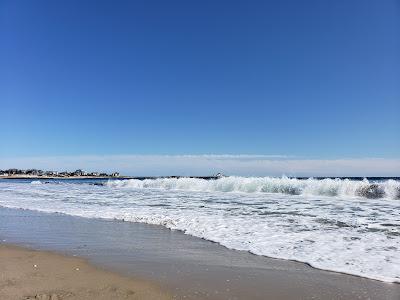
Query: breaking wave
(324, 187)
(36, 182)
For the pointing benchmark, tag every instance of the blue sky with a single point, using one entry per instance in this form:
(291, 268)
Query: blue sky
(303, 79)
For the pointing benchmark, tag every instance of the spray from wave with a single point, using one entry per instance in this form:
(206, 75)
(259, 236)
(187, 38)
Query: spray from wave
(324, 187)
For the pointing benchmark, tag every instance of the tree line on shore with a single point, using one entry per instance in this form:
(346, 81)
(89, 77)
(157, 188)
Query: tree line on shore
(37, 172)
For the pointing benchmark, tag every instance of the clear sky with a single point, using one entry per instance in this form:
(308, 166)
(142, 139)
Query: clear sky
(302, 79)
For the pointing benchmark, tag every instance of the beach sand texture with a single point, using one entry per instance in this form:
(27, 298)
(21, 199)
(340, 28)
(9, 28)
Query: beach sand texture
(29, 274)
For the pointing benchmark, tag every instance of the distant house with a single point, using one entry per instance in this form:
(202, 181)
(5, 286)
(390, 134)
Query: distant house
(32, 172)
(94, 174)
(51, 173)
(115, 174)
(79, 172)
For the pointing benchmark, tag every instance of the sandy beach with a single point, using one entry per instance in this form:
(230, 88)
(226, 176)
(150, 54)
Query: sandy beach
(186, 267)
(200, 150)
(29, 274)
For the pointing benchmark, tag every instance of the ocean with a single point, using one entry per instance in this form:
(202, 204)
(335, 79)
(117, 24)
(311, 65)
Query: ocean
(343, 225)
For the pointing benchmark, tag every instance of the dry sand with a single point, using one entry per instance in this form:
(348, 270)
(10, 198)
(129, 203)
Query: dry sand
(29, 274)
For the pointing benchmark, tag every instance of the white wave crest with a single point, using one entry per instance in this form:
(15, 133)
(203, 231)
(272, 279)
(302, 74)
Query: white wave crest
(325, 187)
(37, 182)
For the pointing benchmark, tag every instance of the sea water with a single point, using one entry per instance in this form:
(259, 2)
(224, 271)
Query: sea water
(343, 225)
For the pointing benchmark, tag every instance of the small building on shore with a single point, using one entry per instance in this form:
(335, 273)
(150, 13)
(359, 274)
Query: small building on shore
(79, 172)
(51, 173)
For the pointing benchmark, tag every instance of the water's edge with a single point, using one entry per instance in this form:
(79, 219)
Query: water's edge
(327, 226)
(208, 240)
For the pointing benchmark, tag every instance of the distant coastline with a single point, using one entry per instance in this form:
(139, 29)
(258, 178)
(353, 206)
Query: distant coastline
(40, 174)
(211, 177)
(38, 177)
(61, 177)
(80, 174)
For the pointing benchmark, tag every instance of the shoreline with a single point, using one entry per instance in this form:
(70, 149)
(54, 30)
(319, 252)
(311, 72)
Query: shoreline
(307, 264)
(32, 274)
(36, 177)
(189, 267)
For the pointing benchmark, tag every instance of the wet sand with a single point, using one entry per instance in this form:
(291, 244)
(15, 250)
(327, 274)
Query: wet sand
(189, 267)
(28, 274)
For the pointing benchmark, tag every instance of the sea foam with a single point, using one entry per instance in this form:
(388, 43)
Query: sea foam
(333, 224)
